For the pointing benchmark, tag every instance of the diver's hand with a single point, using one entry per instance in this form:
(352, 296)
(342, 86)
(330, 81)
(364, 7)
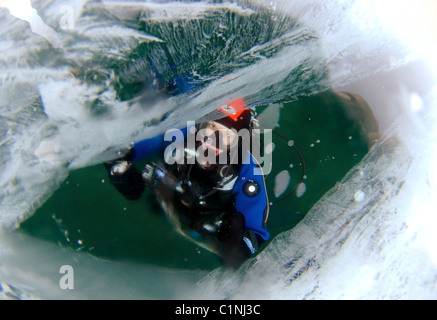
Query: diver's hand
(125, 177)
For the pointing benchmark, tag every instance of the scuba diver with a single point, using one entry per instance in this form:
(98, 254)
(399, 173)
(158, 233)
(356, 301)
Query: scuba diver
(219, 200)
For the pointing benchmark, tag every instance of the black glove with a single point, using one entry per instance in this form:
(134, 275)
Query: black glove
(125, 177)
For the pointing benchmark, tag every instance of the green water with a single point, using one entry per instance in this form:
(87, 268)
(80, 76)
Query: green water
(87, 214)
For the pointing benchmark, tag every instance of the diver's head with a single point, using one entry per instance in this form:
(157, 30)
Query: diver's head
(221, 133)
(217, 137)
(223, 128)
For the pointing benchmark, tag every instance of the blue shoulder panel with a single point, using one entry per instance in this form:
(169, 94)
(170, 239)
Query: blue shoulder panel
(255, 208)
(148, 147)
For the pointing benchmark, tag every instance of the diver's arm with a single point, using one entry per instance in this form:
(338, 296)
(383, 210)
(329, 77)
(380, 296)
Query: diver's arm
(155, 145)
(147, 147)
(122, 172)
